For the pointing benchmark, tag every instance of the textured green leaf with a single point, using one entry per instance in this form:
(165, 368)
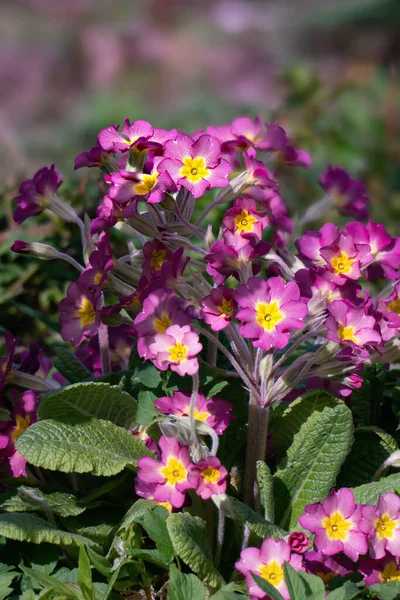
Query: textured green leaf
(255, 522)
(266, 486)
(191, 543)
(313, 461)
(85, 575)
(46, 581)
(267, 587)
(183, 587)
(295, 585)
(292, 418)
(387, 591)
(371, 447)
(227, 593)
(7, 575)
(136, 512)
(90, 446)
(25, 499)
(366, 401)
(369, 492)
(70, 366)
(31, 528)
(147, 375)
(100, 400)
(154, 522)
(146, 411)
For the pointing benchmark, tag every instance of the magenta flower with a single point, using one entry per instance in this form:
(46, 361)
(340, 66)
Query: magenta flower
(219, 307)
(160, 310)
(277, 140)
(80, 311)
(155, 253)
(96, 157)
(146, 490)
(22, 416)
(348, 195)
(269, 310)
(298, 542)
(170, 473)
(139, 136)
(335, 523)
(327, 567)
(108, 215)
(344, 258)
(227, 257)
(36, 194)
(195, 165)
(385, 250)
(267, 562)
(100, 262)
(151, 187)
(309, 246)
(244, 219)
(176, 348)
(382, 525)
(208, 477)
(347, 325)
(380, 571)
(257, 173)
(213, 411)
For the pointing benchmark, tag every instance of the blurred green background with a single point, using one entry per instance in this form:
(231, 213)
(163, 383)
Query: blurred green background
(327, 70)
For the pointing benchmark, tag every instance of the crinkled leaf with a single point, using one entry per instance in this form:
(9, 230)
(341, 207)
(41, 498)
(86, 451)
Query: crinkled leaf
(191, 543)
(100, 400)
(183, 587)
(80, 446)
(70, 366)
(255, 522)
(266, 486)
(369, 492)
(313, 461)
(31, 528)
(25, 499)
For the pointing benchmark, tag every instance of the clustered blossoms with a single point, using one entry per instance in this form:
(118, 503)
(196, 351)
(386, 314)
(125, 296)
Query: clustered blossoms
(343, 532)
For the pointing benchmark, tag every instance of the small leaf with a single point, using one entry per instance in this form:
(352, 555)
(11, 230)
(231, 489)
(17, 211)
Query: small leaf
(154, 522)
(25, 499)
(255, 522)
(295, 585)
(183, 587)
(46, 581)
(6, 578)
(100, 563)
(85, 575)
(136, 512)
(387, 591)
(70, 366)
(100, 400)
(80, 446)
(216, 389)
(266, 587)
(266, 486)
(348, 591)
(191, 543)
(147, 375)
(146, 411)
(227, 593)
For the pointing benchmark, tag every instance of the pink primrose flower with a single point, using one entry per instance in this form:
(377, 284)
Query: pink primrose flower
(309, 246)
(243, 218)
(380, 571)
(327, 567)
(176, 348)
(382, 525)
(151, 187)
(80, 311)
(219, 307)
(36, 194)
(139, 136)
(348, 195)
(208, 477)
(345, 259)
(96, 157)
(298, 542)
(347, 325)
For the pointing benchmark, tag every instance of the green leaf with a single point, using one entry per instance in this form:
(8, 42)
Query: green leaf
(369, 492)
(85, 575)
(31, 528)
(387, 591)
(183, 587)
(255, 522)
(80, 446)
(146, 411)
(25, 499)
(46, 581)
(227, 593)
(348, 591)
(371, 447)
(313, 461)
(191, 543)
(154, 522)
(314, 585)
(216, 389)
(136, 512)
(267, 587)
(100, 400)
(6, 578)
(70, 366)
(147, 375)
(295, 585)
(266, 486)
(100, 563)
(289, 422)
(366, 401)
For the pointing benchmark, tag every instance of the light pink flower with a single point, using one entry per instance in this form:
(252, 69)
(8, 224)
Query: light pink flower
(176, 348)
(208, 477)
(219, 307)
(382, 525)
(347, 325)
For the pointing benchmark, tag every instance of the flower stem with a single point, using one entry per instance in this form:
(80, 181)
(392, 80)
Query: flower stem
(255, 450)
(220, 536)
(104, 349)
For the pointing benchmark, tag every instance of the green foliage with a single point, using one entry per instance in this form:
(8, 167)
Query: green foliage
(33, 499)
(154, 521)
(266, 487)
(100, 400)
(80, 446)
(268, 588)
(183, 587)
(369, 492)
(255, 522)
(191, 543)
(70, 366)
(313, 461)
(387, 591)
(7, 575)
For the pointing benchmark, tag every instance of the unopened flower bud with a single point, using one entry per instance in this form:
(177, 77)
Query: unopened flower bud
(42, 251)
(298, 542)
(209, 237)
(266, 367)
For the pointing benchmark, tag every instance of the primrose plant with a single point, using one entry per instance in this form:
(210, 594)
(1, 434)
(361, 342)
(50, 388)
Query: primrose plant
(226, 369)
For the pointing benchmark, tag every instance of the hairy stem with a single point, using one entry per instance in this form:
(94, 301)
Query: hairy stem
(104, 349)
(255, 450)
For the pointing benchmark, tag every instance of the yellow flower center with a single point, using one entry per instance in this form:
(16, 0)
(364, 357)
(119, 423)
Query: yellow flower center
(97, 278)
(225, 308)
(272, 572)
(174, 471)
(268, 315)
(390, 573)
(22, 424)
(178, 353)
(342, 264)
(245, 222)
(336, 526)
(146, 185)
(326, 576)
(166, 505)
(199, 416)
(162, 324)
(394, 306)
(194, 169)
(385, 526)
(210, 475)
(157, 259)
(86, 313)
(346, 334)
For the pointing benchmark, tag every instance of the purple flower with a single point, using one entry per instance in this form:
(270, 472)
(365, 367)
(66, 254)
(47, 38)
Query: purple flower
(267, 562)
(155, 253)
(348, 195)
(208, 477)
(298, 542)
(327, 567)
(100, 262)
(128, 185)
(219, 307)
(146, 490)
(170, 473)
(80, 311)
(176, 348)
(243, 218)
(139, 136)
(36, 194)
(335, 523)
(213, 411)
(347, 325)
(96, 157)
(344, 258)
(382, 525)
(309, 246)
(380, 571)
(227, 257)
(195, 165)
(269, 309)
(385, 250)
